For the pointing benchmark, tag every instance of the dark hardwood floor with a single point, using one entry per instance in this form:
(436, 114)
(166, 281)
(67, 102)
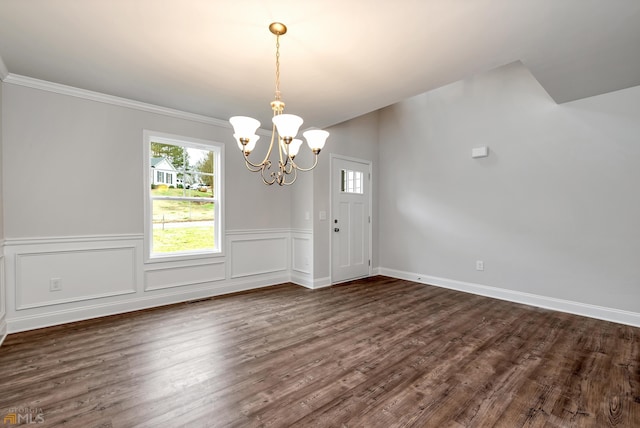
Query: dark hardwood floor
(378, 352)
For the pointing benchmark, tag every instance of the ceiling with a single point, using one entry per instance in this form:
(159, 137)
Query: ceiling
(340, 58)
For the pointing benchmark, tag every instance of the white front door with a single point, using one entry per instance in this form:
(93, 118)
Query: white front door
(350, 219)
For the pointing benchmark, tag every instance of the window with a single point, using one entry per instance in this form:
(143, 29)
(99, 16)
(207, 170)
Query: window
(351, 181)
(184, 220)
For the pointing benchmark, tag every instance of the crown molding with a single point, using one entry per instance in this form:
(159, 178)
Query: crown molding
(3, 70)
(30, 82)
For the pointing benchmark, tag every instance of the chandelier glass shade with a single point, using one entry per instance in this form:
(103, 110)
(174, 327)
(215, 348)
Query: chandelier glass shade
(284, 130)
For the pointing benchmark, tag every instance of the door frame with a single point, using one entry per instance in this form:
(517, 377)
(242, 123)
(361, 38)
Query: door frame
(368, 163)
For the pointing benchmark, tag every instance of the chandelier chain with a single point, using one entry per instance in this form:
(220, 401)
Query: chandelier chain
(278, 67)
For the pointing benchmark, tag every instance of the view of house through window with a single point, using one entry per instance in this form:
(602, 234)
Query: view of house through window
(183, 200)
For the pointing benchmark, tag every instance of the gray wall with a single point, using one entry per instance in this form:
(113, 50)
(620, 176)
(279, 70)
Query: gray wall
(74, 203)
(2, 277)
(302, 190)
(1, 173)
(553, 211)
(77, 166)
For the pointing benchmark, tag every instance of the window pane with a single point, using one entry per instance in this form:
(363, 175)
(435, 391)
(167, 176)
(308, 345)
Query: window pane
(181, 170)
(201, 159)
(175, 156)
(172, 211)
(351, 181)
(182, 226)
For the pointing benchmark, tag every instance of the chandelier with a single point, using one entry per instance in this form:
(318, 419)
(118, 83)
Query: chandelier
(284, 130)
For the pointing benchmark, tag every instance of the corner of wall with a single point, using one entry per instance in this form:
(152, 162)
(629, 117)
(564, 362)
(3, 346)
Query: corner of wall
(3, 70)
(3, 311)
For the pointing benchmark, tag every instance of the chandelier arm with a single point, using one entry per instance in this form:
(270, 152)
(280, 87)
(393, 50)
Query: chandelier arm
(287, 164)
(289, 167)
(273, 136)
(254, 167)
(264, 178)
(282, 148)
(295, 176)
(296, 167)
(266, 158)
(250, 168)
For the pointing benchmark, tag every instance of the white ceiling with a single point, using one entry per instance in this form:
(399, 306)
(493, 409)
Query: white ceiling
(340, 58)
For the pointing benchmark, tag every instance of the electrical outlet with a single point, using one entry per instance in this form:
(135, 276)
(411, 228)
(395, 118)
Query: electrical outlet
(55, 284)
(479, 265)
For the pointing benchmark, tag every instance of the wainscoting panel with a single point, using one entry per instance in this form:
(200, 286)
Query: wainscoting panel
(92, 272)
(302, 257)
(258, 253)
(301, 253)
(81, 275)
(161, 277)
(3, 298)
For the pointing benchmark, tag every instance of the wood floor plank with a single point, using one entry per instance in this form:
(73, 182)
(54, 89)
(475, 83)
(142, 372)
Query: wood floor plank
(378, 352)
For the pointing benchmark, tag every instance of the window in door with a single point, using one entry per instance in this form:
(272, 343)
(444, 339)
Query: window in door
(351, 181)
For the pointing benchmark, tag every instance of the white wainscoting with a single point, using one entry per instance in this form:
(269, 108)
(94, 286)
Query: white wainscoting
(105, 275)
(3, 298)
(302, 257)
(577, 308)
(95, 272)
(258, 252)
(170, 275)
(85, 274)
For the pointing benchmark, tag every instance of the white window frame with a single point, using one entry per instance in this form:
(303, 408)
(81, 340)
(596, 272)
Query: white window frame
(352, 182)
(218, 192)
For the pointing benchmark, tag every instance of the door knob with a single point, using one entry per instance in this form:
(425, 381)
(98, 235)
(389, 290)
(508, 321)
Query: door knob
(336, 229)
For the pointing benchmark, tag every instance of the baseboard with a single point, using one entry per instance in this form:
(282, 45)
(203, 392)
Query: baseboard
(560, 305)
(326, 281)
(48, 319)
(321, 282)
(302, 279)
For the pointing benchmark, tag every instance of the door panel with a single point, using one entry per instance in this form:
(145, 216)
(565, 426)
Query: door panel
(350, 196)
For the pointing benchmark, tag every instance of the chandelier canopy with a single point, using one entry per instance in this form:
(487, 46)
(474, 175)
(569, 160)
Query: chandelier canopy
(284, 131)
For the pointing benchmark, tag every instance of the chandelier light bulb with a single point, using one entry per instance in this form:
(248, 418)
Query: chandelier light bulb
(244, 127)
(294, 147)
(287, 125)
(250, 145)
(316, 139)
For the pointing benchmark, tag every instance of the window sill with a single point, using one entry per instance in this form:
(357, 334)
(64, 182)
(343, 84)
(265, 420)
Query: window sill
(183, 257)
